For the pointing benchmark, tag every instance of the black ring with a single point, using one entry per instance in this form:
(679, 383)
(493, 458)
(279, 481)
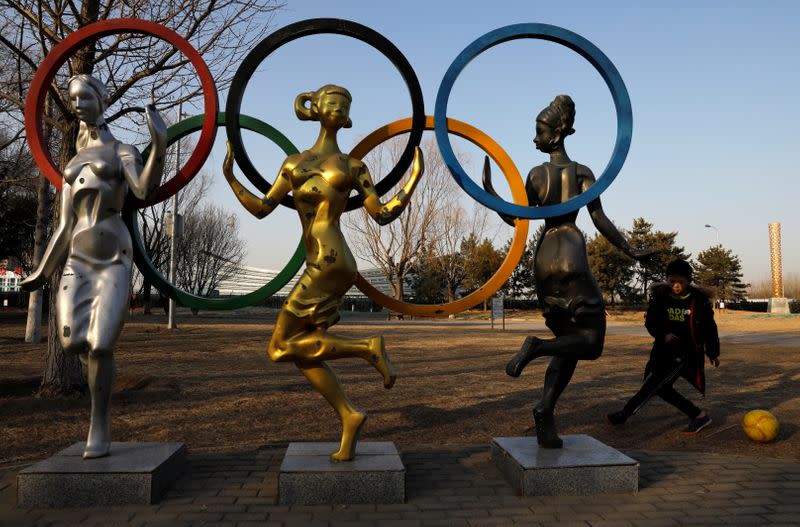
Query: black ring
(312, 27)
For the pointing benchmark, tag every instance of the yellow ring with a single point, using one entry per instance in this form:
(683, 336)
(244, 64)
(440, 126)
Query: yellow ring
(496, 152)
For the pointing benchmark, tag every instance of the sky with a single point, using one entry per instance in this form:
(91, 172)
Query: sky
(714, 88)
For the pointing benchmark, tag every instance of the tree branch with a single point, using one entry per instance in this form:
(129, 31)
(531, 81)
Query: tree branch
(124, 111)
(36, 23)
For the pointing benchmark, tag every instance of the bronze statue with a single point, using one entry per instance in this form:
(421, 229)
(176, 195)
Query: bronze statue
(321, 179)
(571, 301)
(92, 299)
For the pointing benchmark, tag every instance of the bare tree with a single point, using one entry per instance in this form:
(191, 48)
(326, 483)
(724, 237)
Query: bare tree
(134, 67)
(209, 250)
(152, 224)
(763, 288)
(447, 256)
(19, 181)
(396, 248)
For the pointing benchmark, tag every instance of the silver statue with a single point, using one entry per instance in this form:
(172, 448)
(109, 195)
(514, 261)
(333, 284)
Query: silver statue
(93, 297)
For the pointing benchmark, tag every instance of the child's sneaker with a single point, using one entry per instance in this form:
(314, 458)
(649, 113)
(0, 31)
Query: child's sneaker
(697, 424)
(617, 418)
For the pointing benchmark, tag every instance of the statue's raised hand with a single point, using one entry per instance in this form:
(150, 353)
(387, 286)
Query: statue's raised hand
(158, 129)
(488, 187)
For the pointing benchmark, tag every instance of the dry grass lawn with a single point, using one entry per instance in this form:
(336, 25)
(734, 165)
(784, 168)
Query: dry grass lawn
(211, 385)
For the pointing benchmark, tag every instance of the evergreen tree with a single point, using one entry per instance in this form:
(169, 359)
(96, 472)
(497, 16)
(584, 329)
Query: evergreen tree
(428, 282)
(642, 236)
(720, 269)
(18, 198)
(522, 282)
(612, 268)
(481, 261)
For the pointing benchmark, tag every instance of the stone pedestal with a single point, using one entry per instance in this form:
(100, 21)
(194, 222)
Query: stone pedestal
(585, 466)
(778, 306)
(309, 477)
(133, 473)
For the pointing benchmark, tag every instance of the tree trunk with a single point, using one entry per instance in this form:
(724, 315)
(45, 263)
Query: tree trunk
(398, 288)
(63, 373)
(146, 297)
(33, 327)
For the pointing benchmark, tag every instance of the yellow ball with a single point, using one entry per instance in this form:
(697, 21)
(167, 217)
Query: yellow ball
(760, 426)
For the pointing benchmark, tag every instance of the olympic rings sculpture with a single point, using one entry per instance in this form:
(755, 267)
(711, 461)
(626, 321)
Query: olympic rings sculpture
(596, 58)
(208, 122)
(184, 298)
(511, 259)
(313, 27)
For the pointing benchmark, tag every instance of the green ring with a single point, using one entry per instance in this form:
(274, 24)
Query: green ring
(183, 298)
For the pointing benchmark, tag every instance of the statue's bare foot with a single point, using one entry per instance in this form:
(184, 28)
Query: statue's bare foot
(99, 442)
(351, 429)
(546, 434)
(525, 354)
(380, 360)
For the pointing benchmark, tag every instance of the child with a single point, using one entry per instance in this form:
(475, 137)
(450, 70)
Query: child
(680, 318)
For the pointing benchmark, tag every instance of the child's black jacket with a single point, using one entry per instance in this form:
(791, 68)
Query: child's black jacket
(705, 339)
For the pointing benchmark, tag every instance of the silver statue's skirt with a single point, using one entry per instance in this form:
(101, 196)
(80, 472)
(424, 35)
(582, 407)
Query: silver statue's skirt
(92, 303)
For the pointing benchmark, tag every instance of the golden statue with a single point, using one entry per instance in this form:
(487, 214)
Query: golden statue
(320, 180)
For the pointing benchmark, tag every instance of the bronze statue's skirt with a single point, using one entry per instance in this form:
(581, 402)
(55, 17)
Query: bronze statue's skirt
(563, 277)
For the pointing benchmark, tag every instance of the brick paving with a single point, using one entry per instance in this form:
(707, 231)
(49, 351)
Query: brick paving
(453, 486)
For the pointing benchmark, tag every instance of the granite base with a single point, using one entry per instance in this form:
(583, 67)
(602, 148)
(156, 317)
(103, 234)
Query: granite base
(308, 476)
(584, 466)
(133, 473)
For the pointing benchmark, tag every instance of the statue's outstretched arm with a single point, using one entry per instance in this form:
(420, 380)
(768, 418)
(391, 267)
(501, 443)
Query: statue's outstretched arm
(488, 187)
(385, 213)
(57, 247)
(258, 207)
(606, 227)
(144, 180)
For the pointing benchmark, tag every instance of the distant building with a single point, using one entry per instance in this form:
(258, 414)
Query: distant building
(10, 275)
(10, 262)
(251, 278)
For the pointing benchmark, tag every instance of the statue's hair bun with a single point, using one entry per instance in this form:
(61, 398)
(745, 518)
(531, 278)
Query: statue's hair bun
(560, 114)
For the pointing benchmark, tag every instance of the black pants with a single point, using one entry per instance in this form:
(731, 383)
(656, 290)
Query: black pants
(660, 382)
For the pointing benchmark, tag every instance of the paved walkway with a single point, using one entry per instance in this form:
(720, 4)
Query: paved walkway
(453, 486)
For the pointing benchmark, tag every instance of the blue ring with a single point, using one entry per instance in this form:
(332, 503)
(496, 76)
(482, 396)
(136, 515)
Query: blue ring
(588, 51)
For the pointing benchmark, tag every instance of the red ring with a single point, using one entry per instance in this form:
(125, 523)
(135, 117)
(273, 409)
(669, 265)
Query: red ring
(34, 104)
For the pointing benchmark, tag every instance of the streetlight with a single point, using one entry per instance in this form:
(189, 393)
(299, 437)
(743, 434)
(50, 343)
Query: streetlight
(721, 291)
(715, 230)
(175, 229)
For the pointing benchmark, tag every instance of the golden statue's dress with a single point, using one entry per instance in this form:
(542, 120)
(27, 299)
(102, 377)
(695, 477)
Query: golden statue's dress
(320, 195)
(321, 180)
